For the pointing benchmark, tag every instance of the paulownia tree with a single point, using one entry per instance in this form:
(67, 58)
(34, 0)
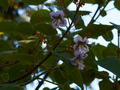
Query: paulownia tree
(33, 43)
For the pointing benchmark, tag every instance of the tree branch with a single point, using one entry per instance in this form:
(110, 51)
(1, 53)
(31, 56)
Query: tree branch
(49, 54)
(100, 11)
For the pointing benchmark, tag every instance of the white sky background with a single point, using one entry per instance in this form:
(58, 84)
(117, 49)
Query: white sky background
(113, 15)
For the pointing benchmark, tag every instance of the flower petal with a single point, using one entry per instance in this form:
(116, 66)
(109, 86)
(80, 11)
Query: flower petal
(77, 39)
(53, 15)
(85, 41)
(54, 24)
(63, 23)
(61, 14)
(81, 66)
(73, 61)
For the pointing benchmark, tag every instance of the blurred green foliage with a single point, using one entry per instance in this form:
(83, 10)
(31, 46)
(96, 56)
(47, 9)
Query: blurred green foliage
(36, 37)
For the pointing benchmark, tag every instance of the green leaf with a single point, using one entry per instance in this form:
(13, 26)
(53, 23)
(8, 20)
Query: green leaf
(5, 76)
(88, 76)
(33, 2)
(5, 45)
(102, 75)
(106, 85)
(109, 51)
(7, 27)
(41, 16)
(48, 63)
(116, 26)
(95, 30)
(103, 13)
(10, 87)
(59, 78)
(4, 4)
(24, 28)
(76, 77)
(46, 29)
(100, 2)
(64, 87)
(23, 58)
(46, 88)
(90, 61)
(28, 48)
(16, 71)
(91, 1)
(117, 4)
(112, 64)
(65, 3)
(97, 50)
(108, 36)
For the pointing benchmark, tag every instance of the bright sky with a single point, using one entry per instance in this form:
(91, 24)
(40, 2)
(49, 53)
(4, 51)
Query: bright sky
(113, 15)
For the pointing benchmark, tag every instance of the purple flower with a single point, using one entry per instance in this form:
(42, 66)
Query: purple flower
(80, 50)
(80, 46)
(78, 60)
(58, 19)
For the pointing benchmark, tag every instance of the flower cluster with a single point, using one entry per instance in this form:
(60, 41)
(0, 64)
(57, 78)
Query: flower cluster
(58, 19)
(80, 50)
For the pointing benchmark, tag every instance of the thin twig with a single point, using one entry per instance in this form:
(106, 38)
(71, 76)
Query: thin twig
(10, 64)
(40, 83)
(92, 20)
(48, 81)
